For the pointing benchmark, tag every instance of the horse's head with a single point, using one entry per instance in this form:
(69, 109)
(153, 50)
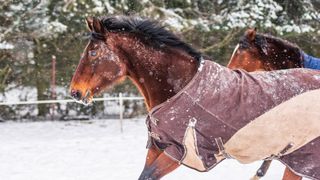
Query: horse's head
(99, 67)
(247, 55)
(157, 61)
(264, 52)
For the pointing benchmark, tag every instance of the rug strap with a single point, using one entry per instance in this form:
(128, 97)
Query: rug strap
(222, 150)
(281, 153)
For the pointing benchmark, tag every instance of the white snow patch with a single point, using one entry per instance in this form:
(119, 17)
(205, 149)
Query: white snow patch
(94, 150)
(5, 45)
(19, 94)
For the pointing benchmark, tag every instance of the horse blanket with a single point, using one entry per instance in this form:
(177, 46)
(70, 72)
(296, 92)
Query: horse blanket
(310, 61)
(295, 122)
(192, 126)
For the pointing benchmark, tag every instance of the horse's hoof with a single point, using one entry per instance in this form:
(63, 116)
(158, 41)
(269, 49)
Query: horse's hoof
(147, 178)
(260, 173)
(255, 178)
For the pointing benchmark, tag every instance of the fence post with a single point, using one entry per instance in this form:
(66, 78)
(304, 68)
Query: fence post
(121, 111)
(53, 85)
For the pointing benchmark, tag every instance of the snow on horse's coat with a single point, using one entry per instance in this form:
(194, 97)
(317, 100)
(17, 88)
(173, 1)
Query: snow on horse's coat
(191, 126)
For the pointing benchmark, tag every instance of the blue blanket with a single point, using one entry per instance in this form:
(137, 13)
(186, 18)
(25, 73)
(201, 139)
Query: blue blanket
(311, 62)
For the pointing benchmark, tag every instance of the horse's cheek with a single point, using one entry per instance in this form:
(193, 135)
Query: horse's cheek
(110, 71)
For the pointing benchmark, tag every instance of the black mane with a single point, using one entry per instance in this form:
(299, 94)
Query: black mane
(276, 40)
(149, 31)
(273, 48)
(261, 41)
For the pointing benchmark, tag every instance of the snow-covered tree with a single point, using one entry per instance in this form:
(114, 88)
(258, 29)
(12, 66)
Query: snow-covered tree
(31, 31)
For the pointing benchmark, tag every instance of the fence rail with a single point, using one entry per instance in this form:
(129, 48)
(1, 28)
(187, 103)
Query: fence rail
(68, 100)
(119, 98)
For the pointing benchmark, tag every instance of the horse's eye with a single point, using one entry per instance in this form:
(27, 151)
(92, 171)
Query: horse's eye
(93, 53)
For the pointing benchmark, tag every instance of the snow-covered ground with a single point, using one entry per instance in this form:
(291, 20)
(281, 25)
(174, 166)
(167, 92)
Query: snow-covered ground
(94, 150)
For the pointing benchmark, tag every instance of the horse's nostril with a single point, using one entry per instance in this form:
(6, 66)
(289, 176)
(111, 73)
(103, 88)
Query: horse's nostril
(76, 94)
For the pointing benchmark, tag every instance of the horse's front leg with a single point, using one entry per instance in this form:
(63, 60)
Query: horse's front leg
(152, 155)
(289, 175)
(157, 165)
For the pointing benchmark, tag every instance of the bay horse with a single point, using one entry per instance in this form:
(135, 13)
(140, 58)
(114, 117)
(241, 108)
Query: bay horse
(257, 51)
(162, 67)
(261, 52)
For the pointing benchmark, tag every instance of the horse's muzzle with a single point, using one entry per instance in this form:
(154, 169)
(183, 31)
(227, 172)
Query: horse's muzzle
(85, 99)
(76, 94)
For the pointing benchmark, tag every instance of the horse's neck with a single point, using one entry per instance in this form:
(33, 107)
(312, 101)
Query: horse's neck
(158, 75)
(161, 81)
(284, 57)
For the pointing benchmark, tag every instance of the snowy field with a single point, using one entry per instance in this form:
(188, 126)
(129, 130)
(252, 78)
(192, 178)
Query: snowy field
(94, 150)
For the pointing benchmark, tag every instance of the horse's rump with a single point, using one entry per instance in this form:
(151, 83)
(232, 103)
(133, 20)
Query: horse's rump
(295, 122)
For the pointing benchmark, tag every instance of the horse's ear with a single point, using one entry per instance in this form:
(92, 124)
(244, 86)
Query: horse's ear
(251, 34)
(89, 21)
(94, 24)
